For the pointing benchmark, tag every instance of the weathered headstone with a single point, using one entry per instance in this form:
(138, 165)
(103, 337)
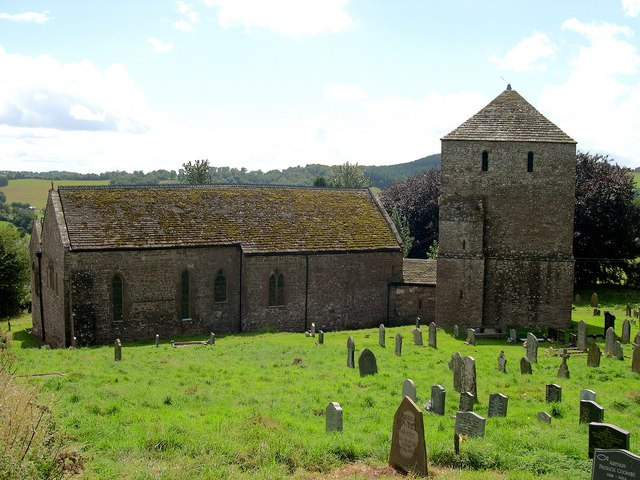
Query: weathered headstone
(320, 337)
(456, 366)
(626, 332)
(594, 299)
(502, 362)
(438, 396)
(618, 352)
(409, 389)
(606, 435)
(333, 417)
(417, 322)
(563, 369)
(609, 340)
(469, 379)
(470, 424)
(636, 339)
(212, 338)
(628, 310)
(466, 402)
(596, 312)
(553, 393)
(471, 336)
(497, 405)
(525, 366)
(351, 352)
(408, 449)
(74, 342)
(544, 417)
(381, 335)
(609, 321)
(157, 340)
(586, 394)
(593, 355)
(433, 335)
(313, 329)
(417, 336)
(573, 339)
(635, 359)
(367, 363)
(532, 348)
(578, 300)
(590, 411)
(625, 464)
(456, 331)
(117, 350)
(398, 347)
(582, 336)
(513, 336)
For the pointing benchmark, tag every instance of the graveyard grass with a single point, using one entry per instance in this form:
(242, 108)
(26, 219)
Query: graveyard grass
(252, 406)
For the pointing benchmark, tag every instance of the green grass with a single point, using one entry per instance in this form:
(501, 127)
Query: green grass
(252, 406)
(34, 191)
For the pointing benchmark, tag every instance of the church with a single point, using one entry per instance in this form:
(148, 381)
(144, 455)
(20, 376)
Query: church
(133, 262)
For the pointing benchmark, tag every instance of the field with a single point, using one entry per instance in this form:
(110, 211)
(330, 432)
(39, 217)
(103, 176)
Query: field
(252, 406)
(34, 191)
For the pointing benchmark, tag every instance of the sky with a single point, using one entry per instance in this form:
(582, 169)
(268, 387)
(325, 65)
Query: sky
(105, 85)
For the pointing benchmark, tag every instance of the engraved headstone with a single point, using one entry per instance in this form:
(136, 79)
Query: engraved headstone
(593, 355)
(367, 363)
(433, 335)
(497, 405)
(117, 350)
(586, 394)
(470, 424)
(408, 449)
(157, 340)
(609, 341)
(502, 362)
(381, 336)
(609, 321)
(212, 338)
(625, 464)
(544, 417)
(513, 336)
(626, 332)
(409, 389)
(635, 359)
(417, 337)
(333, 417)
(582, 336)
(320, 337)
(532, 348)
(594, 299)
(553, 393)
(525, 366)
(590, 411)
(351, 352)
(606, 435)
(438, 396)
(456, 366)
(469, 379)
(456, 331)
(398, 347)
(471, 336)
(563, 369)
(466, 402)
(618, 352)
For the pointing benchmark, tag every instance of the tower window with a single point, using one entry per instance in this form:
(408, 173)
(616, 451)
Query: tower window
(530, 162)
(485, 161)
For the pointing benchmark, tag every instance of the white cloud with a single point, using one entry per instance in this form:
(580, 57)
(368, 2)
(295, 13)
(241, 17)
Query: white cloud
(290, 17)
(159, 46)
(527, 55)
(631, 8)
(189, 17)
(337, 92)
(34, 17)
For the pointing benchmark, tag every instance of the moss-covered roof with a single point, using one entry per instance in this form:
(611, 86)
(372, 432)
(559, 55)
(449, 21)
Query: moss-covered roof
(417, 271)
(509, 117)
(260, 219)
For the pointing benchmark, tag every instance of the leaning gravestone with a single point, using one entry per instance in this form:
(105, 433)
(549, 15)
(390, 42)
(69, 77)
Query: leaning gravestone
(609, 341)
(466, 402)
(609, 321)
(471, 336)
(117, 346)
(438, 396)
(433, 332)
(626, 332)
(553, 393)
(398, 348)
(470, 424)
(497, 405)
(525, 366)
(333, 417)
(456, 366)
(594, 300)
(381, 336)
(618, 352)
(544, 417)
(586, 394)
(532, 348)
(590, 411)
(502, 362)
(351, 351)
(408, 449)
(469, 379)
(409, 389)
(563, 369)
(417, 337)
(635, 359)
(605, 435)
(625, 464)
(593, 355)
(582, 336)
(367, 363)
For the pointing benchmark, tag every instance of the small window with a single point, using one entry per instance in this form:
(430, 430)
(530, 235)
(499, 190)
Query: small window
(184, 294)
(276, 289)
(117, 298)
(485, 161)
(530, 162)
(464, 244)
(461, 294)
(419, 304)
(220, 288)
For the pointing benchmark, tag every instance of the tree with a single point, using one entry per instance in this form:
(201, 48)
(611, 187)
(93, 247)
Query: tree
(320, 181)
(349, 175)
(14, 270)
(416, 199)
(402, 226)
(607, 221)
(197, 173)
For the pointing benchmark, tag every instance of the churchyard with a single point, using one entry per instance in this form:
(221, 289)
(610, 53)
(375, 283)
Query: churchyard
(255, 405)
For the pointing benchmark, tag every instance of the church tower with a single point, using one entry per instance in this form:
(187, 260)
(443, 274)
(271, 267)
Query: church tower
(506, 219)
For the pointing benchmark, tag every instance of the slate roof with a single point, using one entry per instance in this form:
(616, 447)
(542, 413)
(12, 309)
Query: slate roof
(509, 117)
(260, 219)
(417, 271)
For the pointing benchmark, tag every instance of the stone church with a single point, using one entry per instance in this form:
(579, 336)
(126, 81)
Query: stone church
(133, 262)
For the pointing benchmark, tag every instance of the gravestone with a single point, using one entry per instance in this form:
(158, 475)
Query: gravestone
(409, 389)
(582, 336)
(628, 310)
(433, 338)
(469, 380)
(313, 330)
(532, 348)
(471, 336)
(618, 352)
(626, 332)
(367, 363)
(351, 352)
(636, 339)
(609, 321)
(502, 362)
(590, 411)
(212, 338)
(544, 417)
(525, 366)
(398, 348)
(497, 405)
(553, 393)
(513, 336)
(573, 339)
(456, 366)
(320, 337)
(381, 336)
(438, 396)
(625, 464)
(596, 312)
(609, 341)
(417, 322)
(594, 299)
(578, 300)
(417, 337)
(586, 394)
(333, 417)
(456, 331)
(117, 350)
(466, 402)
(593, 355)
(563, 370)
(606, 435)
(157, 340)
(635, 359)
(408, 449)
(470, 424)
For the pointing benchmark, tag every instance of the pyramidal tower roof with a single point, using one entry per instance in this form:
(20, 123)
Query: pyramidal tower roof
(509, 117)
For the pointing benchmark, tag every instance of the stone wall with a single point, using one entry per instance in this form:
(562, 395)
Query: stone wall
(411, 301)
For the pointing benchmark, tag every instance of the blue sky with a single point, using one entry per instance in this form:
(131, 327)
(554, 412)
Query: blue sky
(266, 84)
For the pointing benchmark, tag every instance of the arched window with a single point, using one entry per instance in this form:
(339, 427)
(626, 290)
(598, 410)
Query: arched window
(530, 162)
(276, 289)
(117, 295)
(485, 161)
(220, 288)
(184, 294)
